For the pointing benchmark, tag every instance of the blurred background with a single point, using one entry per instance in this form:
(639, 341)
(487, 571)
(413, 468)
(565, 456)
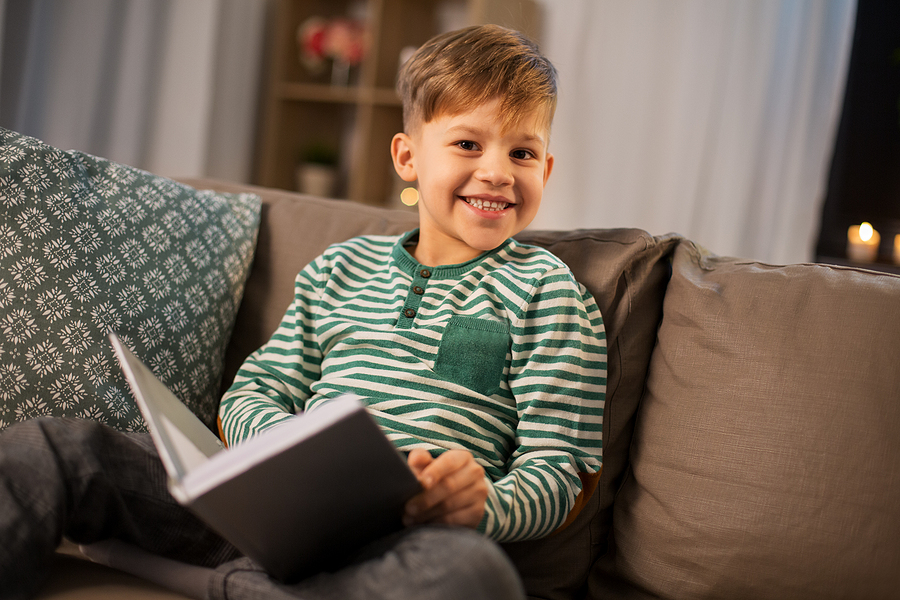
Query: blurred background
(758, 128)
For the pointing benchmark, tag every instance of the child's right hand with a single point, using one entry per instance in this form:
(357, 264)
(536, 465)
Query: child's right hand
(454, 489)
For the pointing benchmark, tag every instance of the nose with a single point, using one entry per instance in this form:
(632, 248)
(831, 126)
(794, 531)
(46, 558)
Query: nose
(494, 168)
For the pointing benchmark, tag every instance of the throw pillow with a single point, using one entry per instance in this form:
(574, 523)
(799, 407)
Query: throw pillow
(88, 246)
(626, 271)
(764, 462)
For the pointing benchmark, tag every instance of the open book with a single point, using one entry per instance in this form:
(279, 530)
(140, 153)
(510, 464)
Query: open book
(295, 498)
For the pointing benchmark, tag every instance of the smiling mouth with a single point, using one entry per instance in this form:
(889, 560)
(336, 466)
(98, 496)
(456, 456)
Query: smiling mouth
(488, 205)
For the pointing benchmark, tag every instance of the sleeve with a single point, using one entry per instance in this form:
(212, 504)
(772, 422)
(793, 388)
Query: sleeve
(275, 381)
(558, 378)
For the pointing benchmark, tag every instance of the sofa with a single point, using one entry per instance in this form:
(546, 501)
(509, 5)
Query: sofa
(751, 432)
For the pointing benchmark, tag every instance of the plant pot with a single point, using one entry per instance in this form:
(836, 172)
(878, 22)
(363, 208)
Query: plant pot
(317, 179)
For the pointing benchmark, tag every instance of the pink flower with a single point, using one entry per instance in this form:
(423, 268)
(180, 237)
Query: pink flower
(340, 39)
(344, 41)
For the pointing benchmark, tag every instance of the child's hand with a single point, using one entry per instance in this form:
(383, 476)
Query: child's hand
(454, 489)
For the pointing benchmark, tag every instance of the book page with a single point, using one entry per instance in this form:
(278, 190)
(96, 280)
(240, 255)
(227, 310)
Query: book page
(189, 455)
(182, 440)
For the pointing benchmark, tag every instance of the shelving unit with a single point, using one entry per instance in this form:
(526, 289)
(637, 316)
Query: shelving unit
(302, 109)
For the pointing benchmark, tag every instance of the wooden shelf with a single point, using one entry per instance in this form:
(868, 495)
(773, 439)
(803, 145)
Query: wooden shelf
(318, 92)
(302, 109)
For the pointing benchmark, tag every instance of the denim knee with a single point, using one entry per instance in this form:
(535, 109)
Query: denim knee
(434, 562)
(475, 565)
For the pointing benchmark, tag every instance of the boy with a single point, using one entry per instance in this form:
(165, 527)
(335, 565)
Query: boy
(480, 358)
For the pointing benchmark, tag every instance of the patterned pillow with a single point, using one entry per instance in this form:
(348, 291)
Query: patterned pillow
(88, 246)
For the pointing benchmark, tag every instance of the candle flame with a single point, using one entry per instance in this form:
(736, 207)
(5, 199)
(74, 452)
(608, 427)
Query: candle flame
(866, 231)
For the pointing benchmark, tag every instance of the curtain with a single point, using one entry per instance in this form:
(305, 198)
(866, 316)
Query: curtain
(713, 119)
(170, 86)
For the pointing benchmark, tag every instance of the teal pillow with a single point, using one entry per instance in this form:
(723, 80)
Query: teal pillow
(88, 246)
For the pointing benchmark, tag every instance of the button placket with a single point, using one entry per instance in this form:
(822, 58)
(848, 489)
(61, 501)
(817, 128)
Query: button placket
(414, 297)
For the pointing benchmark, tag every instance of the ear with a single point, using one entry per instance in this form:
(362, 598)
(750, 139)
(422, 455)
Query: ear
(402, 155)
(548, 167)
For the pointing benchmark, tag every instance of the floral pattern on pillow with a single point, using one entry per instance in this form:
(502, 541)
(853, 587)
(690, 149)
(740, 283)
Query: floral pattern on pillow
(89, 246)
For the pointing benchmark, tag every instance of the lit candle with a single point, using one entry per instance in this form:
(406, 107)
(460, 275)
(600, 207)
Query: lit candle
(862, 243)
(897, 249)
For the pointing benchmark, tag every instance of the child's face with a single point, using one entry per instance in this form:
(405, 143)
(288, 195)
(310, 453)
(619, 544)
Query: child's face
(478, 185)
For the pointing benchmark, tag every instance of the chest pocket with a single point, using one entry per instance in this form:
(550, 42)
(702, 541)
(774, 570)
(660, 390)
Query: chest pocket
(472, 353)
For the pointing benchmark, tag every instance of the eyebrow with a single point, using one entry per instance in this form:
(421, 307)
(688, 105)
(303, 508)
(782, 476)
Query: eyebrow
(458, 129)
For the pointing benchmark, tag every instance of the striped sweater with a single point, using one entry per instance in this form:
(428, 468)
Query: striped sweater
(503, 356)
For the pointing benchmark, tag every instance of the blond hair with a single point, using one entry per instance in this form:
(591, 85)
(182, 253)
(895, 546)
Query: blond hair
(464, 68)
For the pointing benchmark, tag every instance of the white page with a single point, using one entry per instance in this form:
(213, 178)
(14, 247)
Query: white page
(190, 455)
(183, 441)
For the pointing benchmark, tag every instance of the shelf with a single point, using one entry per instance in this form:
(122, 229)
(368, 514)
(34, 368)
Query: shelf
(318, 92)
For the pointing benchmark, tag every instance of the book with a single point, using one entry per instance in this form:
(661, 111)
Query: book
(298, 497)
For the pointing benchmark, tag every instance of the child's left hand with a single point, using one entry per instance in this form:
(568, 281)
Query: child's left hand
(454, 489)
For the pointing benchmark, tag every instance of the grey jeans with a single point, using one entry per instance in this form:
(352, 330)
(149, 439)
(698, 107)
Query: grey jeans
(88, 482)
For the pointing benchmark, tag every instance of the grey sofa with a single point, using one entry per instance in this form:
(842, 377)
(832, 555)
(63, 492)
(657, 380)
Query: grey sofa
(752, 426)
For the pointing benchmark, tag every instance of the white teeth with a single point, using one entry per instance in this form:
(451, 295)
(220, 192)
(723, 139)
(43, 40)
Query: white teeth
(486, 204)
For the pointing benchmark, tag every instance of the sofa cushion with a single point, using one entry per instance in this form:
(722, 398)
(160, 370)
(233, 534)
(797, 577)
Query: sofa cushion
(74, 577)
(626, 271)
(88, 246)
(765, 455)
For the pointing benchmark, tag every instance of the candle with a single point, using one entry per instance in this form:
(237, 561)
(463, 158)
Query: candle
(897, 249)
(862, 242)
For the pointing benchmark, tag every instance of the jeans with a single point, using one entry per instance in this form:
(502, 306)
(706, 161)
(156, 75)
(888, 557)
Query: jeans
(89, 483)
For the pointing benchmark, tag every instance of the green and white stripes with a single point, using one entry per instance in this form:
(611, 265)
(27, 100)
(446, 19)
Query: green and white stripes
(504, 356)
